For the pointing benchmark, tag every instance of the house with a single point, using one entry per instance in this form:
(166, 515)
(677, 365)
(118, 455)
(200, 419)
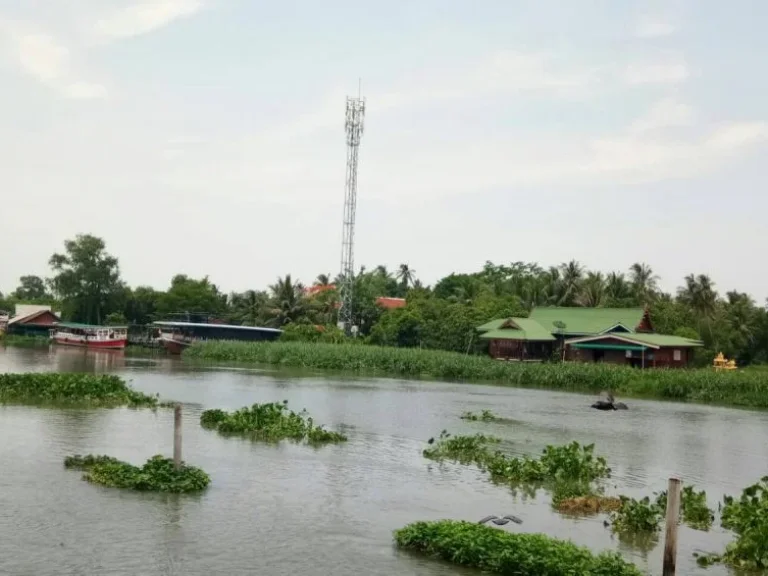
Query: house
(32, 320)
(614, 335)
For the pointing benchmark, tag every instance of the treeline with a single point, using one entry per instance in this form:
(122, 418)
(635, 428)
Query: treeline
(86, 286)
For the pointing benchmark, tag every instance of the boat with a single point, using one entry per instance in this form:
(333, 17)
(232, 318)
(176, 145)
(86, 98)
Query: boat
(89, 336)
(176, 336)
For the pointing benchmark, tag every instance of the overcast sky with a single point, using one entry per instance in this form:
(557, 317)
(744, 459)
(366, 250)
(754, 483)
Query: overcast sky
(206, 136)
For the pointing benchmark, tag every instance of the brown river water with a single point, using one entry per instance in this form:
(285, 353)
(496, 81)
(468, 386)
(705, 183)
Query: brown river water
(290, 509)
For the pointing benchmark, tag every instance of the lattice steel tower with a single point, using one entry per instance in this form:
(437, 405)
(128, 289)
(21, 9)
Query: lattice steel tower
(354, 128)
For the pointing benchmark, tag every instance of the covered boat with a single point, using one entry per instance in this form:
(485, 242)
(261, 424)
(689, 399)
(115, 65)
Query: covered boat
(90, 336)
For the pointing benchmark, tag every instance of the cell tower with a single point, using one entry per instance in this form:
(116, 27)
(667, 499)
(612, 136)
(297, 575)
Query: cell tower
(354, 128)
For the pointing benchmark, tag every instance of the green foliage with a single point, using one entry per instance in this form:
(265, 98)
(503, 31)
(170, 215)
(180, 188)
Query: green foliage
(748, 518)
(103, 390)
(463, 449)
(739, 387)
(484, 416)
(87, 279)
(313, 333)
(23, 340)
(189, 295)
(158, 474)
(637, 516)
(498, 552)
(270, 422)
(31, 289)
(693, 508)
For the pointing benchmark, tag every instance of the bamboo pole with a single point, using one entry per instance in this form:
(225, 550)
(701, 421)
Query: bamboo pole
(177, 436)
(670, 535)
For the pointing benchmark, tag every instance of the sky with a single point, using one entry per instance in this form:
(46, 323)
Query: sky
(206, 137)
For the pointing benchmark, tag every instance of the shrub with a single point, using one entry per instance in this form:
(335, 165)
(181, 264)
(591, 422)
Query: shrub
(271, 422)
(737, 387)
(105, 390)
(693, 508)
(748, 518)
(484, 416)
(496, 551)
(635, 516)
(158, 474)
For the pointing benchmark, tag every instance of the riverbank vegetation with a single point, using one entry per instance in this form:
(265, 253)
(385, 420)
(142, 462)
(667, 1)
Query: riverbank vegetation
(438, 317)
(23, 341)
(499, 552)
(483, 416)
(158, 474)
(89, 390)
(270, 422)
(739, 388)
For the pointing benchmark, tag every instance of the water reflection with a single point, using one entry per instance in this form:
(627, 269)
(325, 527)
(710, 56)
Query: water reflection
(286, 509)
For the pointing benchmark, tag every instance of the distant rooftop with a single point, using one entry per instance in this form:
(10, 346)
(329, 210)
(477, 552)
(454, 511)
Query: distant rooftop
(170, 324)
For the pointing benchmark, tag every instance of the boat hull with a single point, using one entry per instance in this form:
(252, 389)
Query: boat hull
(174, 346)
(96, 345)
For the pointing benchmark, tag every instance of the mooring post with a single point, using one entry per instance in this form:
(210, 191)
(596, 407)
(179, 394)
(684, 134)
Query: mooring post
(177, 436)
(670, 535)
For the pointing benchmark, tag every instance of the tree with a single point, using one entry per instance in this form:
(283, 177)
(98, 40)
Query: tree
(87, 279)
(644, 282)
(592, 293)
(287, 303)
(141, 305)
(406, 276)
(249, 308)
(323, 280)
(190, 296)
(30, 289)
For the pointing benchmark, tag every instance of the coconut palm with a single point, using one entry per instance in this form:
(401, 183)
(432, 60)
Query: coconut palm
(405, 275)
(616, 287)
(644, 282)
(592, 293)
(287, 302)
(250, 307)
(322, 280)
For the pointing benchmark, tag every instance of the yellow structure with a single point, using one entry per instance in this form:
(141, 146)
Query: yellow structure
(721, 363)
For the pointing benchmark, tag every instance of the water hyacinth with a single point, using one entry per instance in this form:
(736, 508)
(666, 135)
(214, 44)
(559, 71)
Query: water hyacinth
(158, 474)
(97, 390)
(271, 422)
(498, 552)
(737, 387)
(484, 416)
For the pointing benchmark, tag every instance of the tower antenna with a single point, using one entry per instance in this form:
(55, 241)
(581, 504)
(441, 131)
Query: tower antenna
(353, 126)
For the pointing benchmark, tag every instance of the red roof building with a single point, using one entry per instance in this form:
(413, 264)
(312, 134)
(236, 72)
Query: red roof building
(390, 303)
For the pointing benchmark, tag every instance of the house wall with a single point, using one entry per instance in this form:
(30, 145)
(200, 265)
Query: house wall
(662, 358)
(665, 358)
(519, 350)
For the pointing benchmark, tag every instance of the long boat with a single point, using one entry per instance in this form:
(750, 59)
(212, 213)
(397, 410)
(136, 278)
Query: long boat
(89, 336)
(176, 336)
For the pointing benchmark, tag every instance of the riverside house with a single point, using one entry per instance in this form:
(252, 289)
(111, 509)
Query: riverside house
(613, 335)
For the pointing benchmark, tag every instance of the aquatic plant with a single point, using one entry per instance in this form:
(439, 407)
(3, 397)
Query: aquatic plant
(106, 390)
(496, 551)
(736, 387)
(589, 504)
(272, 422)
(158, 474)
(484, 416)
(462, 449)
(693, 508)
(747, 517)
(643, 516)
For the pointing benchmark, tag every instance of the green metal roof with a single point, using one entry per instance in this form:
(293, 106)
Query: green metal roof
(586, 320)
(492, 325)
(517, 329)
(663, 340)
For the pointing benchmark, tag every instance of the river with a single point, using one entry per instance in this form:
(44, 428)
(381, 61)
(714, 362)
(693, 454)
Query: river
(293, 509)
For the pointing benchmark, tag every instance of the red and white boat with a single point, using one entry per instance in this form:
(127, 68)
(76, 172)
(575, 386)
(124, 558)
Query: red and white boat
(87, 336)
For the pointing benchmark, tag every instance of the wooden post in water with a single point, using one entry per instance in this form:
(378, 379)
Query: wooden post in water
(177, 436)
(670, 535)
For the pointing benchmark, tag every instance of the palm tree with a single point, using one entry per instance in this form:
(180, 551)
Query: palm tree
(287, 302)
(592, 293)
(405, 275)
(644, 282)
(700, 296)
(250, 307)
(322, 280)
(572, 273)
(616, 286)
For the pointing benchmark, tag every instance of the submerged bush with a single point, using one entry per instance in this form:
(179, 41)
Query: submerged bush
(105, 390)
(158, 474)
(271, 422)
(693, 508)
(737, 387)
(637, 516)
(484, 416)
(496, 551)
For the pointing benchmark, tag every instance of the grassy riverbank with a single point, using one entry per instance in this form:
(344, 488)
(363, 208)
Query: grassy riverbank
(747, 388)
(90, 390)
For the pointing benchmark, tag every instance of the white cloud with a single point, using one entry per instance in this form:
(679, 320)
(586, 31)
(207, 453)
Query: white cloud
(146, 16)
(666, 113)
(653, 26)
(42, 57)
(656, 73)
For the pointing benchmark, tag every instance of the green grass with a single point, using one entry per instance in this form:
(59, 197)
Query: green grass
(270, 422)
(21, 340)
(89, 390)
(496, 551)
(156, 475)
(747, 388)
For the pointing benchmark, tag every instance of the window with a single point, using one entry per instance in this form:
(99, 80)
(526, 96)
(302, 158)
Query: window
(676, 355)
